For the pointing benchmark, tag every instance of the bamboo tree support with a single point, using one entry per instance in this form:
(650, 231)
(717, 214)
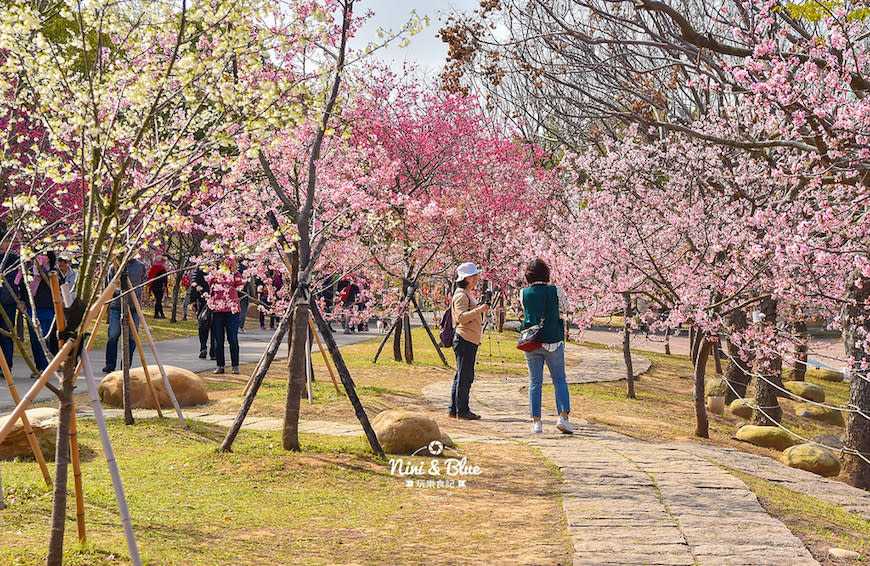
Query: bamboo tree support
(257, 380)
(347, 381)
(91, 340)
(60, 321)
(323, 353)
(428, 331)
(253, 373)
(387, 337)
(55, 363)
(169, 390)
(309, 370)
(112, 463)
(28, 430)
(145, 369)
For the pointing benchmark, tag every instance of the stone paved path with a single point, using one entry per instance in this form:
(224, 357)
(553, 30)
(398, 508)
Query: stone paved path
(587, 365)
(633, 502)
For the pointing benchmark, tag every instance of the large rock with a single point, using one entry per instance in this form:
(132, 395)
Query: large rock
(740, 408)
(766, 436)
(826, 375)
(43, 421)
(403, 432)
(812, 458)
(715, 387)
(805, 390)
(187, 386)
(822, 414)
(831, 441)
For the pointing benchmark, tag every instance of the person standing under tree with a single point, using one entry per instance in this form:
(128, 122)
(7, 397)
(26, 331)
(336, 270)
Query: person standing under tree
(136, 272)
(157, 284)
(468, 321)
(543, 302)
(8, 297)
(225, 283)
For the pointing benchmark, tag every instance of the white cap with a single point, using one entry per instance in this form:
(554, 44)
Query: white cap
(466, 269)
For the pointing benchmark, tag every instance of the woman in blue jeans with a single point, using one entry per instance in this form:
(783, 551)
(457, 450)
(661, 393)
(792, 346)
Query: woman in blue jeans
(544, 302)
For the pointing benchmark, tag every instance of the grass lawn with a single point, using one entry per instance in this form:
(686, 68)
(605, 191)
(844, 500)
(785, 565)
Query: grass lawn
(331, 503)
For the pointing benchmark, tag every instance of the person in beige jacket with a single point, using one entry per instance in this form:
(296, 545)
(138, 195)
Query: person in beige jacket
(468, 322)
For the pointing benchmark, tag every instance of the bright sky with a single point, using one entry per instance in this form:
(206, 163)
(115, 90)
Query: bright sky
(425, 49)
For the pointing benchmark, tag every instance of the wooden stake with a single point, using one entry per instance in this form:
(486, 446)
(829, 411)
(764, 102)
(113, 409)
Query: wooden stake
(323, 353)
(55, 363)
(169, 390)
(31, 438)
(145, 369)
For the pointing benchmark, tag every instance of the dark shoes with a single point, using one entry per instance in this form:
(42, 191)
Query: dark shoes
(469, 416)
(451, 415)
(236, 370)
(219, 370)
(202, 354)
(108, 369)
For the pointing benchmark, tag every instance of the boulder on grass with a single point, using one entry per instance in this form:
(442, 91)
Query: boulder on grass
(44, 422)
(805, 390)
(715, 387)
(716, 404)
(187, 386)
(822, 414)
(404, 432)
(740, 408)
(826, 375)
(812, 458)
(766, 436)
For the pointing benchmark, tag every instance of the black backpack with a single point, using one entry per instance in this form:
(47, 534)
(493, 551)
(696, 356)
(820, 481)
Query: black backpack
(445, 337)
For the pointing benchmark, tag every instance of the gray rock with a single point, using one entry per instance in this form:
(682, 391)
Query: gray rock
(844, 554)
(832, 441)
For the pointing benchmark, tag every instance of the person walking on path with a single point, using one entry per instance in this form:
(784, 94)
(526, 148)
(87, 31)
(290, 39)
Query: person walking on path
(543, 304)
(136, 272)
(225, 284)
(468, 322)
(157, 284)
(199, 290)
(35, 290)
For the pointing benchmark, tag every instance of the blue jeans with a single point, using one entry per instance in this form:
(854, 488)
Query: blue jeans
(115, 335)
(226, 324)
(45, 318)
(466, 352)
(556, 364)
(6, 343)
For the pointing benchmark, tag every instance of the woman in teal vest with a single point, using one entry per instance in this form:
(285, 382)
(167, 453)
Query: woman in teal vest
(544, 302)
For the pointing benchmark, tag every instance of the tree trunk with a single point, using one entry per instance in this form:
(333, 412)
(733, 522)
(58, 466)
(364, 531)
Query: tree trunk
(667, 340)
(801, 347)
(389, 333)
(701, 349)
(428, 331)
(501, 315)
(397, 339)
(271, 352)
(176, 289)
(626, 345)
(409, 343)
(347, 381)
(769, 370)
(735, 372)
(61, 466)
(717, 357)
(295, 377)
(856, 328)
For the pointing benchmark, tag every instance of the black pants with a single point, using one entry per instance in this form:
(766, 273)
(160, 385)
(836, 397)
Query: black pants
(466, 353)
(158, 301)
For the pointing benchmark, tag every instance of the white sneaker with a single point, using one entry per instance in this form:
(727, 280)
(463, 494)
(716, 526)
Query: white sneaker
(537, 427)
(564, 426)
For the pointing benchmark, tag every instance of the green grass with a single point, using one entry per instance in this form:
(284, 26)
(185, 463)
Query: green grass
(193, 505)
(811, 518)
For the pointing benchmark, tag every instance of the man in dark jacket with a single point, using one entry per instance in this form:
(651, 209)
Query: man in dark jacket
(136, 271)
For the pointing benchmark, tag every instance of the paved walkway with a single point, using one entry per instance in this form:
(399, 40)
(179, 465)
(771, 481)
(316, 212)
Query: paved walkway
(181, 352)
(628, 501)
